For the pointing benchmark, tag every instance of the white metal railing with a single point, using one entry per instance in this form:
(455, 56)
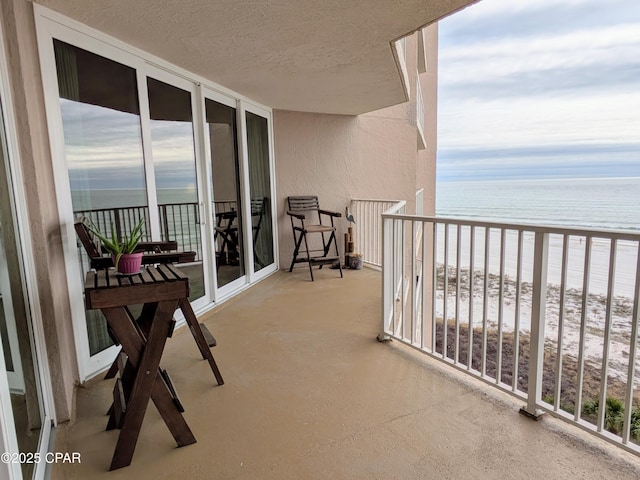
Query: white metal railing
(368, 228)
(547, 314)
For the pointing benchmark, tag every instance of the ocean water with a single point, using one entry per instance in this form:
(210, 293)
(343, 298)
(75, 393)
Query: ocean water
(111, 198)
(594, 203)
(612, 203)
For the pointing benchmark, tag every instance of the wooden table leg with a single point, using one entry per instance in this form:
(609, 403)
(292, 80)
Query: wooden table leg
(145, 358)
(194, 326)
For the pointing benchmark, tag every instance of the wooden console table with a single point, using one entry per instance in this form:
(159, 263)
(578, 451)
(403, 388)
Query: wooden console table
(161, 290)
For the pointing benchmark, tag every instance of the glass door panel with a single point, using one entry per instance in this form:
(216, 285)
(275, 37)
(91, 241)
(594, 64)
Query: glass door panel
(228, 229)
(103, 149)
(174, 163)
(260, 190)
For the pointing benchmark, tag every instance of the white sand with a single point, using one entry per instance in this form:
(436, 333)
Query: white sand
(596, 311)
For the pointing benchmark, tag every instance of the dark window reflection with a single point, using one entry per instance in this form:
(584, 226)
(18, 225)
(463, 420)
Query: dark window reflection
(260, 187)
(229, 244)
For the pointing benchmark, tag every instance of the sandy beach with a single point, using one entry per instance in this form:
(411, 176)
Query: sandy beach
(596, 311)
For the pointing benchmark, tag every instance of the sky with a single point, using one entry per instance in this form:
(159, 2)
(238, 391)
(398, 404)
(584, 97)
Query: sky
(534, 89)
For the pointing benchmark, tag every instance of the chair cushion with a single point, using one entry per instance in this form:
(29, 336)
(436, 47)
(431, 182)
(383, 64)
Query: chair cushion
(318, 228)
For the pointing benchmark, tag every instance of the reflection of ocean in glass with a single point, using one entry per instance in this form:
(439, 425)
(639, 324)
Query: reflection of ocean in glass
(121, 198)
(178, 212)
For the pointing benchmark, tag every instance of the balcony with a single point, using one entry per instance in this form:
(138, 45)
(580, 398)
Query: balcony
(309, 393)
(549, 315)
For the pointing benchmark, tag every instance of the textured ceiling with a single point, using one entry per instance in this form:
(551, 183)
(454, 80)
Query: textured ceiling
(328, 56)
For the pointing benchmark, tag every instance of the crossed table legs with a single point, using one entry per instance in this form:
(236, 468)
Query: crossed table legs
(142, 379)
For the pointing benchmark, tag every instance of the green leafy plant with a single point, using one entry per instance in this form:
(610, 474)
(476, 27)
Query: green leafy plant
(116, 247)
(613, 413)
(635, 424)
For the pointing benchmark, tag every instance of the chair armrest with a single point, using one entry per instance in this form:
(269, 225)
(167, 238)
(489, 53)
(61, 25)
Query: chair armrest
(331, 214)
(168, 257)
(299, 216)
(227, 215)
(157, 246)
(101, 263)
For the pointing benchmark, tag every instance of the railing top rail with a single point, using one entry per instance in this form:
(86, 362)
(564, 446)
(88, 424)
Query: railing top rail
(379, 200)
(559, 230)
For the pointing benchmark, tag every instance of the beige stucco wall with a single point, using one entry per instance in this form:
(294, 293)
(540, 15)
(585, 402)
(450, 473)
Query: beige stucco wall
(427, 157)
(373, 156)
(340, 158)
(34, 152)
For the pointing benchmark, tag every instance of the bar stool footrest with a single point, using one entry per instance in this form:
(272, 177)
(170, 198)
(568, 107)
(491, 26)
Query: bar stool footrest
(208, 336)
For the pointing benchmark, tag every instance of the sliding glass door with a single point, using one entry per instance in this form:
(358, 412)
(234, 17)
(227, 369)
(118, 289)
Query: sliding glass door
(260, 188)
(222, 136)
(123, 165)
(140, 142)
(176, 181)
(103, 149)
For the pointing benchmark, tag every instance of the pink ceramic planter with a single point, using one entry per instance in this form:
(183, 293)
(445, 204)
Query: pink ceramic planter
(129, 262)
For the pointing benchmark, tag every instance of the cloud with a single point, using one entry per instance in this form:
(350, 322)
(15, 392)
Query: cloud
(515, 76)
(548, 161)
(603, 58)
(104, 149)
(499, 19)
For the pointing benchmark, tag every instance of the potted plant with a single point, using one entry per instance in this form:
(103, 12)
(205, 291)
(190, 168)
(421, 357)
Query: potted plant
(123, 252)
(356, 261)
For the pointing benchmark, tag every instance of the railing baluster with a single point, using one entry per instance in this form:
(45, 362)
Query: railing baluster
(118, 224)
(503, 237)
(395, 257)
(516, 321)
(434, 288)
(458, 281)
(583, 326)
(561, 316)
(485, 299)
(445, 287)
(403, 279)
(472, 243)
(633, 353)
(423, 276)
(164, 220)
(607, 334)
(414, 279)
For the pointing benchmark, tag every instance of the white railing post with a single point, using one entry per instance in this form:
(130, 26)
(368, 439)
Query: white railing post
(387, 276)
(538, 308)
(390, 244)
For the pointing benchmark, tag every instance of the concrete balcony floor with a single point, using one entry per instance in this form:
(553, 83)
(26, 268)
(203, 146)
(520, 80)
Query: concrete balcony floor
(310, 394)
